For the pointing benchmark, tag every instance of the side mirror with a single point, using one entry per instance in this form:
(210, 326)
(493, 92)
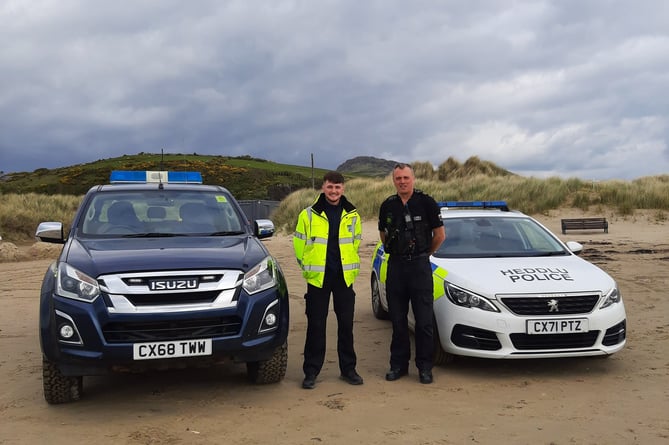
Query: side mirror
(575, 247)
(263, 228)
(50, 232)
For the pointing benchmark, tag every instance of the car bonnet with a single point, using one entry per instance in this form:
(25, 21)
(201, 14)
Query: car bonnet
(130, 255)
(489, 277)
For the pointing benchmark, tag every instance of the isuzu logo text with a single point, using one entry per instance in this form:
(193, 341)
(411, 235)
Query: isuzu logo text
(174, 284)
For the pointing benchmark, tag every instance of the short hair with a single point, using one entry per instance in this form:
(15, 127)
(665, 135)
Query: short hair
(402, 166)
(333, 177)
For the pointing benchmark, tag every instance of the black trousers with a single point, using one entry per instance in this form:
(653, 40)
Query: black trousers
(317, 306)
(410, 281)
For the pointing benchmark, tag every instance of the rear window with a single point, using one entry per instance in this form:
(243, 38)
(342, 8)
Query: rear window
(160, 212)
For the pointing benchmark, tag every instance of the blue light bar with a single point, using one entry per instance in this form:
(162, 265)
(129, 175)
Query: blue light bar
(141, 177)
(185, 177)
(474, 204)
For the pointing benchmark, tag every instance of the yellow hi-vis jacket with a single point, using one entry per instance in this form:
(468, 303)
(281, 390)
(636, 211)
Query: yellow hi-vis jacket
(310, 241)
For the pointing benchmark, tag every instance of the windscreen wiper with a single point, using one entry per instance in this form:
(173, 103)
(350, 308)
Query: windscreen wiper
(152, 235)
(553, 253)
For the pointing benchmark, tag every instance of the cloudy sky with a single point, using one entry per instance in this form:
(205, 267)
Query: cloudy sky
(569, 88)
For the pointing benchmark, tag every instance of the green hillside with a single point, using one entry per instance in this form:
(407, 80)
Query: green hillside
(244, 176)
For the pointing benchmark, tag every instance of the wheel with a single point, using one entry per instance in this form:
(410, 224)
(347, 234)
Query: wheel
(379, 312)
(269, 371)
(59, 388)
(440, 357)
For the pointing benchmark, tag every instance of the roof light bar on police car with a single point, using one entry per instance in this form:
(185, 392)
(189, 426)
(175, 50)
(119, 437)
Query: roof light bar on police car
(474, 204)
(146, 176)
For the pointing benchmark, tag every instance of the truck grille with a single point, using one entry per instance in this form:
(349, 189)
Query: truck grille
(160, 299)
(180, 291)
(123, 332)
(540, 305)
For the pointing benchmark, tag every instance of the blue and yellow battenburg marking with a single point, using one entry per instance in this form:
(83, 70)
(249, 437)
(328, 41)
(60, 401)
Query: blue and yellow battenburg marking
(438, 277)
(146, 176)
(380, 264)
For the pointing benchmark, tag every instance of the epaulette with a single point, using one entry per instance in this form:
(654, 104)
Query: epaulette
(419, 191)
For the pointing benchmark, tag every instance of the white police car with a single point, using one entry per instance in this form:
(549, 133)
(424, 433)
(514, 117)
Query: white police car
(506, 287)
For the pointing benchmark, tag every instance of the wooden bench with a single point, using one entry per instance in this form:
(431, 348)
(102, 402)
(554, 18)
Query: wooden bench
(584, 224)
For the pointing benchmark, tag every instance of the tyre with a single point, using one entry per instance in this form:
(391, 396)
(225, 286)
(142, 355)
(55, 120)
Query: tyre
(269, 371)
(59, 388)
(379, 312)
(440, 356)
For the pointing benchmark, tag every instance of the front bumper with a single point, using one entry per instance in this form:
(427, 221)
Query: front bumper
(477, 333)
(103, 341)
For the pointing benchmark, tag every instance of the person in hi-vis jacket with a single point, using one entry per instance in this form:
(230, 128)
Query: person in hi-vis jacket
(326, 242)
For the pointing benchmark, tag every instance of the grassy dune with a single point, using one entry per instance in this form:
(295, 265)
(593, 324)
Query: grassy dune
(529, 195)
(20, 213)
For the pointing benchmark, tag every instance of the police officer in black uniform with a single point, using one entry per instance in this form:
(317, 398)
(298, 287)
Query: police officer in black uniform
(411, 229)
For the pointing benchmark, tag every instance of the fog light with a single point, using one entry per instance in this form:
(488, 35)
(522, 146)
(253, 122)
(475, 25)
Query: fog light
(66, 331)
(270, 319)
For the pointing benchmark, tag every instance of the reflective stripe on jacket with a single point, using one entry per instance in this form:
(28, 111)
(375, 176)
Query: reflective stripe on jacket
(310, 241)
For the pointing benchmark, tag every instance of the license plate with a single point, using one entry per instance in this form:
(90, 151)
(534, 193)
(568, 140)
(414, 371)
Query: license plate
(171, 349)
(557, 326)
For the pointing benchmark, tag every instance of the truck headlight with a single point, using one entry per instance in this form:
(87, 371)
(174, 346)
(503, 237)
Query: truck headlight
(262, 276)
(73, 283)
(464, 298)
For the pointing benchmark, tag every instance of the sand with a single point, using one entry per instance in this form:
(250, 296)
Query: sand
(623, 399)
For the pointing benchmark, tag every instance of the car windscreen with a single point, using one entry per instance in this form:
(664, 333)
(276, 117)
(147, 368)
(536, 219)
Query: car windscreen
(160, 213)
(481, 237)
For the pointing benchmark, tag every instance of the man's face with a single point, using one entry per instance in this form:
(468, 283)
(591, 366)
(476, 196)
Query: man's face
(333, 192)
(403, 180)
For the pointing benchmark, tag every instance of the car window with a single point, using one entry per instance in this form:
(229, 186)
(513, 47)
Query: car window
(476, 237)
(160, 212)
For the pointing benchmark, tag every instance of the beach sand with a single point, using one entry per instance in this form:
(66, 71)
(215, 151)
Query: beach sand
(622, 399)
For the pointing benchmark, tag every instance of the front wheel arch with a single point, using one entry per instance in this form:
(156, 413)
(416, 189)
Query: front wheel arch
(377, 308)
(440, 356)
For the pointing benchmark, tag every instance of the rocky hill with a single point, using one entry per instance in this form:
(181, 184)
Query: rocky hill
(367, 166)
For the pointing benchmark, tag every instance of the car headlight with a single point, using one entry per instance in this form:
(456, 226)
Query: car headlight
(262, 276)
(465, 298)
(613, 297)
(73, 283)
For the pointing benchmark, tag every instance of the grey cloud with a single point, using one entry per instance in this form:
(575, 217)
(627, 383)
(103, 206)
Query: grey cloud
(542, 88)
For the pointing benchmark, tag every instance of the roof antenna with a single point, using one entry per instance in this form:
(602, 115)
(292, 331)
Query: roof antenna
(160, 175)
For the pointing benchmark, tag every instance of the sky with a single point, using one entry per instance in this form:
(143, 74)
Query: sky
(566, 88)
